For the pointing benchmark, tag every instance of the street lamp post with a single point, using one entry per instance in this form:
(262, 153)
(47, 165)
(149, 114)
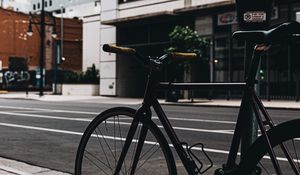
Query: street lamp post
(42, 49)
(42, 25)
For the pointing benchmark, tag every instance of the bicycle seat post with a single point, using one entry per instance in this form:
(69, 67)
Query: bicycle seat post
(251, 71)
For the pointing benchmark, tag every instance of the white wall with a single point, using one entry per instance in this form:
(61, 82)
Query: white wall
(73, 8)
(205, 2)
(81, 10)
(91, 42)
(148, 6)
(108, 61)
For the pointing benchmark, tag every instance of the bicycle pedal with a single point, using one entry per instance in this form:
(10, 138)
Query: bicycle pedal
(196, 159)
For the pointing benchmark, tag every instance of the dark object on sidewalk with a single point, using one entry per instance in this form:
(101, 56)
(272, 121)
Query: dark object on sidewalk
(172, 96)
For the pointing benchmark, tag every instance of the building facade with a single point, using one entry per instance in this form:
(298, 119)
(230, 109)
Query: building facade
(145, 24)
(20, 53)
(86, 10)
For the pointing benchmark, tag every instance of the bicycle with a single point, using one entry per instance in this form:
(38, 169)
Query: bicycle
(126, 141)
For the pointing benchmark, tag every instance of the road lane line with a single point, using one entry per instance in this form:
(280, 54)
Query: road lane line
(52, 110)
(117, 138)
(121, 123)
(46, 116)
(96, 113)
(230, 132)
(41, 129)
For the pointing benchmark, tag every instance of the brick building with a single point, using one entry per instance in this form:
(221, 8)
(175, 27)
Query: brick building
(20, 52)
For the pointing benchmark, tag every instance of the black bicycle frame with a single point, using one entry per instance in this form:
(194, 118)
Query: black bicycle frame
(249, 100)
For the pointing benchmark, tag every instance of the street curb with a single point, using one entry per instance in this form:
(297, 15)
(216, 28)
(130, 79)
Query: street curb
(3, 92)
(23, 168)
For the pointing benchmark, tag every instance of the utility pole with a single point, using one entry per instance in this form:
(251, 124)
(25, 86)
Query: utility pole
(42, 49)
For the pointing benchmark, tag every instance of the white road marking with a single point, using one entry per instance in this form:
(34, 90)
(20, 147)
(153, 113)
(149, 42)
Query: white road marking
(45, 116)
(230, 132)
(96, 113)
(117, 138)
(51, 110)
(40, 129)
(109, 122)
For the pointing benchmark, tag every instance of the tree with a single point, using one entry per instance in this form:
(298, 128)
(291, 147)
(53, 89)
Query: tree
(184, 39)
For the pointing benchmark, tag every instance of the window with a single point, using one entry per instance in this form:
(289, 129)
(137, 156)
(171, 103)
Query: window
(50, 3)
(34, 7)
(38, 6)
(46, 3)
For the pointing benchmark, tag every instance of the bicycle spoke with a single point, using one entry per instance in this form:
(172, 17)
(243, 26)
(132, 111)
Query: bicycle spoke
(296, 154)
(96, 159)
(105, 144)
(264, 168)
(96, 164)
(147, 159)
(99, 141)
(115, 141)
(121, 139)
(134, 149)
(154, 145)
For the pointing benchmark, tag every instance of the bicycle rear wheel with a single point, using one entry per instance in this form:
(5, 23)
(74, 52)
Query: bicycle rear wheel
(103, 140)
(258, 160)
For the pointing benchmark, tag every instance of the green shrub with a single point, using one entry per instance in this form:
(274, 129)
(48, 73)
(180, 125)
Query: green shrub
(91, 76)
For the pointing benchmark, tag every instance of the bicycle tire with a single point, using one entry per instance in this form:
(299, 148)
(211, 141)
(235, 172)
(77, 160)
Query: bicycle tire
(165, 163)
(286, 133)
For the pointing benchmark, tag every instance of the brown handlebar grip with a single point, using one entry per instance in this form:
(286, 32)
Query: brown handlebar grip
(184, 56)
(118, 49)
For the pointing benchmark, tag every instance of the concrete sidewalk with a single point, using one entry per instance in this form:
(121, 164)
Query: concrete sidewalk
(12, 167)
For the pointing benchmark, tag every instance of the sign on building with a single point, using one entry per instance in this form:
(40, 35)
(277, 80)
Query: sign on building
(231, 17)
(227, 18)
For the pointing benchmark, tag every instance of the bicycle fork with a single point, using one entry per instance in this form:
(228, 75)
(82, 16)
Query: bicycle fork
(133, 128)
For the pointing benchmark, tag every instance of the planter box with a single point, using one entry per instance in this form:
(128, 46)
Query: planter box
(80, 89)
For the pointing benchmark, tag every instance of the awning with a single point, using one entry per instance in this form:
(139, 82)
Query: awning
(146, 18)
(205, 7)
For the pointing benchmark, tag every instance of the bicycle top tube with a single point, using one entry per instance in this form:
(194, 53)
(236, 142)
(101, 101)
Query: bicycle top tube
(199, 86)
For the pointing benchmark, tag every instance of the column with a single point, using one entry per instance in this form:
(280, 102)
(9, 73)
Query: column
(108, 61)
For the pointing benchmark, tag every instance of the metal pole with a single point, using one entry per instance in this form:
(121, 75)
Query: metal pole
(55, 67)
(229, 60)
(42, 49)
(62, 32)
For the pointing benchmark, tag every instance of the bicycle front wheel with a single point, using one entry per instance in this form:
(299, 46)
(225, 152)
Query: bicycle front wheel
(101, 145)
(258, 160)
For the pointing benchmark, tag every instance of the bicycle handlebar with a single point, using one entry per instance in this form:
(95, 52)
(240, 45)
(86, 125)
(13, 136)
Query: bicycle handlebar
(176, 56)
(183, 56)
(118, 49)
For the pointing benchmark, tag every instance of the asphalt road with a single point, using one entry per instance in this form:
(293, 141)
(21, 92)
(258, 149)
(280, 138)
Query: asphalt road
(47, 133)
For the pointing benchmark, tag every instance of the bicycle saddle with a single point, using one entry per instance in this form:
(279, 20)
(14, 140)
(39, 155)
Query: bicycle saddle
(277, 34)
